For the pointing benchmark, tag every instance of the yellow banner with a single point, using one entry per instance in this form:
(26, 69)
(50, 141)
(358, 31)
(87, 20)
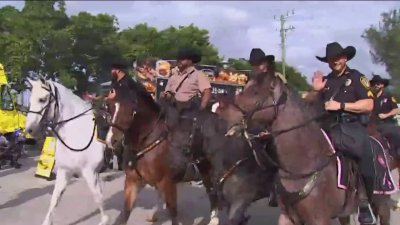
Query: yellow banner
(46, 159)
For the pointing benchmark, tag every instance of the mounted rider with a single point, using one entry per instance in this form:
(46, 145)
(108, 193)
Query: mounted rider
(385, 109)
(347, 97)
(262, 65)
(185, 86)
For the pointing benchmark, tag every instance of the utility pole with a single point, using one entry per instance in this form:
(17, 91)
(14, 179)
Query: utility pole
(283, 33)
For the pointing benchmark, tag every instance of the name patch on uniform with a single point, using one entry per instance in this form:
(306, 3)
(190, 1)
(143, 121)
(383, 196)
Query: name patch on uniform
(365, 82)
(348, 82)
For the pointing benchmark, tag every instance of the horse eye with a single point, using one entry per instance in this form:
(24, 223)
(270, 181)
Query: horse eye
(42, 100)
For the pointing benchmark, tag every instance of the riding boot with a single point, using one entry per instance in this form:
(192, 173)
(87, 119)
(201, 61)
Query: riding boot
(365, 213)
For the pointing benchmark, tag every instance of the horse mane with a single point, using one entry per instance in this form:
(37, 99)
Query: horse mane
(71, 96)
(145, 95)
(309, 108)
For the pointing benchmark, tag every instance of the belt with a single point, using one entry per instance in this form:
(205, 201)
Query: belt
(346, 118)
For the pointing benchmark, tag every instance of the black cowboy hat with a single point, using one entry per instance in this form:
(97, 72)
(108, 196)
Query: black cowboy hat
(257, 56)
(119, 65)
(376, 79)
(334, 50)
(189, 53)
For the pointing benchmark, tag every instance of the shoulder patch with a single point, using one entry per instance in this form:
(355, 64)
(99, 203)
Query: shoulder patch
(364, 81)
(394, 100)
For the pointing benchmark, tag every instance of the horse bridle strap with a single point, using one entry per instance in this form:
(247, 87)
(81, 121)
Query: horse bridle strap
(53, 125)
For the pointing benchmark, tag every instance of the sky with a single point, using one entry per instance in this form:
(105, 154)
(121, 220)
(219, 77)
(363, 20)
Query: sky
(236, 27)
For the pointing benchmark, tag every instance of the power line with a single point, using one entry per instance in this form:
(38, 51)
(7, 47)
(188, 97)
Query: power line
(283, 33)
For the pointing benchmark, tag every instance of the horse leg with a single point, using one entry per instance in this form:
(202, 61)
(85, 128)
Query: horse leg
(93, 181)
(213, 198)
(236, 213)
(158, 206)
(382, 208)
(169, 191)
(344, 220)
(133, 185)
(59, 188)
(284, 219)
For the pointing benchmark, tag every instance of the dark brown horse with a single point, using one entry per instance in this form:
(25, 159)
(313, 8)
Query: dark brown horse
(307, 181)
(138, 124)
(239, 173)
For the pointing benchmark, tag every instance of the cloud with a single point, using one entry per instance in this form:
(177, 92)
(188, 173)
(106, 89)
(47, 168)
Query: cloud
(236, 27)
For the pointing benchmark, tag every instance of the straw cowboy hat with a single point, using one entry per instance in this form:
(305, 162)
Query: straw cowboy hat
(257, 56)
(334, 50)
(376, 79)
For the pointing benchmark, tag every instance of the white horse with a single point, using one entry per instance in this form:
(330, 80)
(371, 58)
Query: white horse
(77, 150)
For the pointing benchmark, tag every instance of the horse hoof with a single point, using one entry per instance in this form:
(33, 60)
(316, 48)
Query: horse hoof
(151, 218)
(104, 220)
(214, 221)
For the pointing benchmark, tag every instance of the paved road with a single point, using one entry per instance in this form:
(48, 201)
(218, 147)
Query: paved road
(24, 200)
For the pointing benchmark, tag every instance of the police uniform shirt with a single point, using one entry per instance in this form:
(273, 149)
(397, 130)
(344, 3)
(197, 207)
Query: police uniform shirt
(350, 87)
(196, 82)
(384, 104)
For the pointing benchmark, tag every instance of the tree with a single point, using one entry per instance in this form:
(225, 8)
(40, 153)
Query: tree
(384, 40)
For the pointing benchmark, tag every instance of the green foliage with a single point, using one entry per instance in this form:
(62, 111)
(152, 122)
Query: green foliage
(67, 79)
(384, 39)
(43, 38)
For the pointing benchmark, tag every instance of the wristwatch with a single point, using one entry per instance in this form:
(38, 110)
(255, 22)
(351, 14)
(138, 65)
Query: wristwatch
(342, 105)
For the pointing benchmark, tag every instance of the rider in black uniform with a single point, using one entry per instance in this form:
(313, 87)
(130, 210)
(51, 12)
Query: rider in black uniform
(348, 100)
(385, 109)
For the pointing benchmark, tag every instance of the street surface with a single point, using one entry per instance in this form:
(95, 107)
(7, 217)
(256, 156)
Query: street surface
(24, 200)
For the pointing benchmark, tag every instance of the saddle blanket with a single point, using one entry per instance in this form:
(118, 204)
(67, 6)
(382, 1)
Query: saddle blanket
(384, 182)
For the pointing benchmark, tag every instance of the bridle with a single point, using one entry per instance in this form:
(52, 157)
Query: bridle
(276, 104)
(52, 123)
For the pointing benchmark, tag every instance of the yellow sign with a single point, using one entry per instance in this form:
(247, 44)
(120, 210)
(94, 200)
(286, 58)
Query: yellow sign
(46, 160)
(3, 78)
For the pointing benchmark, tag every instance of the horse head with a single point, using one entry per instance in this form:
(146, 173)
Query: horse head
(259, 103)
(42, 109)
(125, 107)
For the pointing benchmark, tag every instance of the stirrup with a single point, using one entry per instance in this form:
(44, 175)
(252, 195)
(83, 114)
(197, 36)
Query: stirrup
(370, 212)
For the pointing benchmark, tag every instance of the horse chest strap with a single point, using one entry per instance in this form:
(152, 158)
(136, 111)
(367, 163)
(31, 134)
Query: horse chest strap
(291, 198)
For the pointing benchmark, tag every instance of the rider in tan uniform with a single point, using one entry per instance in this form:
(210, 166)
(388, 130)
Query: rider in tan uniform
(184, 87)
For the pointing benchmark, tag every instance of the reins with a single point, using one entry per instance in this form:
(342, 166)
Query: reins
(53, 125)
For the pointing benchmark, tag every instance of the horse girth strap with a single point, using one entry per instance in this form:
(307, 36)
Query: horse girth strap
(230, 171)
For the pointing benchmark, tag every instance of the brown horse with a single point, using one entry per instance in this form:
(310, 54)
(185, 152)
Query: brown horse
(308, 167)
(138, 124)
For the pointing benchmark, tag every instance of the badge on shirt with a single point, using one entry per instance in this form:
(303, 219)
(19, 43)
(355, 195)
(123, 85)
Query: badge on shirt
(365, 82)
(348, 82)
(394, 100)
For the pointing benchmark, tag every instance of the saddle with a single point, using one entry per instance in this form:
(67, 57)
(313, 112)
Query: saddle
(348, 172)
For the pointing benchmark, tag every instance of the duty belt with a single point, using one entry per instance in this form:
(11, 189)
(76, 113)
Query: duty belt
(346, 118)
